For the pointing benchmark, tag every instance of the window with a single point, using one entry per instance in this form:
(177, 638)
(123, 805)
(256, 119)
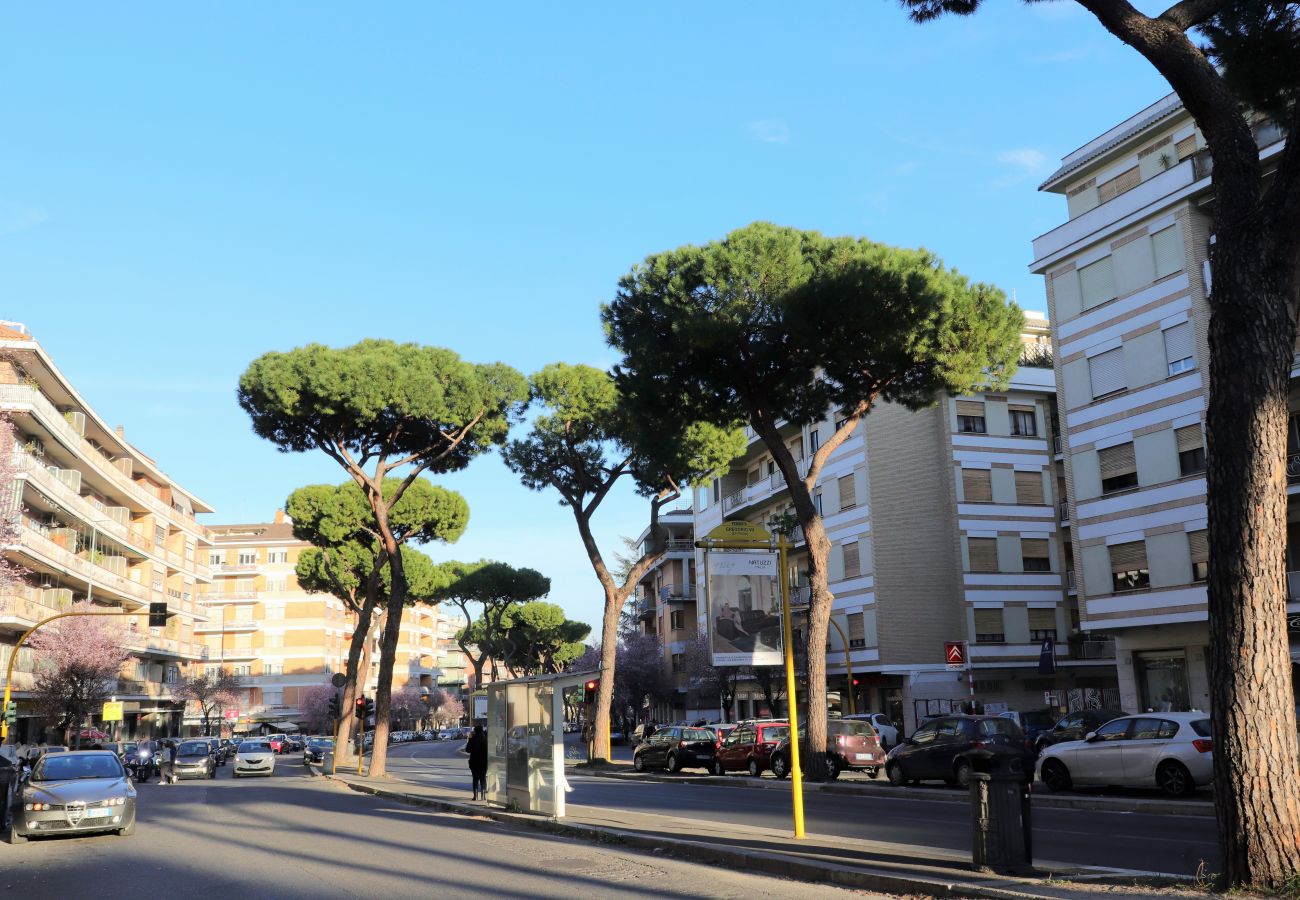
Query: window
(1124, 181)
(1029, 488)
(817, 502)
(852, 561)
(983, 554)
(814, 441)
(1042, 624)
(1178, 348)
(1191, 449)
(1113, 731)
(977, 485)
(840, 423)
(216, 557)
(857, 631)
(248, 557)
(277, 556)
(677, 619)
(1023, 421)
(1186, 147)
(1097, 283)
(988, 627)
(677, 663)
(1035, 555)
(1118, 468)
(717, 490)
(1198, 542)
(273, 669)
(970, 417)
(211, 671)
(274, 612)
(159, 535)
(848, 493)
(1128, 566)
(1167, 251)
(1106, 370)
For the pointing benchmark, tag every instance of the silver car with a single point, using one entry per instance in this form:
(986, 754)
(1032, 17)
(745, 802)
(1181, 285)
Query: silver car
(78, 792)
(1173, 751)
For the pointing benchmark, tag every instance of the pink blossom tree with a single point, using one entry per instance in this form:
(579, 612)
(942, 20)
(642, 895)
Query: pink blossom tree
(209, 692)
(407, 706)
(451, 712)
(77, 663)
(314, 707)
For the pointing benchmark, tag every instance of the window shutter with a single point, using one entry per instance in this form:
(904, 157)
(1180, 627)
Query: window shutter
(1186, 147)
(857, 630)
(1178, 342)
(852, 561)
(1107, 372)
(1188, 437)
(1117, 461)
(983, 554)
(1020, 407)
(1034, 548)
(848, 496)
(1042, 620)
(970, 408)
(1029, 487)
(1199, 544)
(1097, 282)
(988, 621)
(1124, 181)
(977, 485)
(1127, 557)
(1167, 250)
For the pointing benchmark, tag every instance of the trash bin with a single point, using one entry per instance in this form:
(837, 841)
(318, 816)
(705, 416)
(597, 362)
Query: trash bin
(1001, 835)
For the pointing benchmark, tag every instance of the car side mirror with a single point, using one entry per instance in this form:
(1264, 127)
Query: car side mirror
(1090, 736)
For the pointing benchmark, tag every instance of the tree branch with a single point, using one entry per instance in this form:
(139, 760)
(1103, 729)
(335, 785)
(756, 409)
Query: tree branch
(1190, 13)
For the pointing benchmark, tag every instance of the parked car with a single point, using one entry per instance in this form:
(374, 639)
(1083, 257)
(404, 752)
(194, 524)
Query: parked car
(276, 742)
(194, 759)
(217, 750)
(1034, 723)
(77, 792)
(886, 730)
(1173, 751)
(1075, 726)
(749, 747)
(722, 729)
(228, 746)
(316, 750)
(850, 744)
(937, 750)
(294, 743)
(254, 758)
(676, 748)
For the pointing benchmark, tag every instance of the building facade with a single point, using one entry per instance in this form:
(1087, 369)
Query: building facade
(665, 606)
(1127, 281)
(99, 522)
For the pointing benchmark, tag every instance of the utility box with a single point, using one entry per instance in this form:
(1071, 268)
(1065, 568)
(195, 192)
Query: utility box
(1001, 828)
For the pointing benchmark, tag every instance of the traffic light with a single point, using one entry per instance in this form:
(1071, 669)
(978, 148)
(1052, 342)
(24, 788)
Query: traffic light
(334, 706)
(589, 691)
(370, 707)
(11, 713)
(361, 708)
(157, 615)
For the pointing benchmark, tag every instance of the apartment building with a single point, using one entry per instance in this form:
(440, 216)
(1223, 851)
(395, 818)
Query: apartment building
(99, 522)
(282, 641)
(1127, 279)
(947, 525)
(665, 606)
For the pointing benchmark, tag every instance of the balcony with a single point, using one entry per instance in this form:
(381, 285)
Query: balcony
(1092, 648)
(645, 607)
(679, 545)
(1056, 444)
(760, 490)
(228, 597)
(151, 645)
(800, 595)
(1069, 581)
(234, 568)
(677, 593)
(1063, 509)
(59, 557)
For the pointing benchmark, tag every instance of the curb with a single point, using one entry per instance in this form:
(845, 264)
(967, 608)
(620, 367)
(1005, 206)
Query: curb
(785, 866)
(1201, 808)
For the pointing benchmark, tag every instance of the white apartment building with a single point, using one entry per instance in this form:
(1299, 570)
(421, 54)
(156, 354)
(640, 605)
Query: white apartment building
(1127, 281)
(99, 523)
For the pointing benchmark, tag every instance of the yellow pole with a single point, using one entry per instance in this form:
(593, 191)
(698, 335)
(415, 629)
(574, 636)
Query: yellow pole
(848, 663)
(796, 773)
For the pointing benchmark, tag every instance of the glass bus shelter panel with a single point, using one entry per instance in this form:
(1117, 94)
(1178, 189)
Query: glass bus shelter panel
(496, 734)
(541, 749)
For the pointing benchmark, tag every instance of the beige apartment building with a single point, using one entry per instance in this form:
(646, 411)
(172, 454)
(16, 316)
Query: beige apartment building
(1127, 280)
(99, 521)
(665, 606)
(282, 641)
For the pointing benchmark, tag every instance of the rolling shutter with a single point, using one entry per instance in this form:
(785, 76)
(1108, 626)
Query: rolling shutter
(1029, 487)
(1167, 250)
(1042, 620)
(1107, 372)
(1117, 461)
(1097, 282)
(848, 495)
(852, 561)
(1128, 557)
(1189, 438)
(1124, 181)
(970, 408)
(857, 631)
(1034, 548)
(1198, 542)
(1178, 342)
(983, 554)
(977, 485)
(1186, 147)
(988, 621)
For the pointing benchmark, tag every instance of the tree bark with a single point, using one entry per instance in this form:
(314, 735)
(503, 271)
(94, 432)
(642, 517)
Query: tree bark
(1256, 773)
(605, 687)
(388, 649)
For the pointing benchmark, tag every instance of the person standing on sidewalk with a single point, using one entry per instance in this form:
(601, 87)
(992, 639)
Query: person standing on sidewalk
(477, 749)
(167, 762)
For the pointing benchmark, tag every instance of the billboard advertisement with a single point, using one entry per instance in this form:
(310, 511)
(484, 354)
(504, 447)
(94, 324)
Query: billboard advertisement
(744, 609)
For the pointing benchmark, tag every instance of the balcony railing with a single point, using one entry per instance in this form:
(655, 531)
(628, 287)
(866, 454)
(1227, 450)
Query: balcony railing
(1069, 581)
(1056, 444)
(37, 543)
(670, 592)
(1063, 508)
(761, 489)
(679, 545)
(1092, 648)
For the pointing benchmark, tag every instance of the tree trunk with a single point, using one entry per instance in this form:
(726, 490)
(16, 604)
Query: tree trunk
(358, 664)
(605, 688)
(1256, 776)
(388, 650)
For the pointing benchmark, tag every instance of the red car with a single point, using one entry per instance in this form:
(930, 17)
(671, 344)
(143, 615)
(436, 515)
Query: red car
(277, 742)
(749, 747)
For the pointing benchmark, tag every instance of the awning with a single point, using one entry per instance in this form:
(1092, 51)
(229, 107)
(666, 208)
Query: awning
(283, 726)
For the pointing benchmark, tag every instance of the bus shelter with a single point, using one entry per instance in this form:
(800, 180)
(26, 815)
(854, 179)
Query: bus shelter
(525, 732)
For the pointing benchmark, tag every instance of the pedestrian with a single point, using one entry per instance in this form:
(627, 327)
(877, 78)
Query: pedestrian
(649, 730)
(477, 749)
(168, 751)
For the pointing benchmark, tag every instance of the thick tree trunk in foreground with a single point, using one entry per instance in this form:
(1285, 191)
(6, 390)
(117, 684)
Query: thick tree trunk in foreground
(388, 653)
(1256, 770)
(605, 690)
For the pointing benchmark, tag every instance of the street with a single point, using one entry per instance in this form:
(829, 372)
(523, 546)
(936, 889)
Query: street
(297, 836)
(1164, 843)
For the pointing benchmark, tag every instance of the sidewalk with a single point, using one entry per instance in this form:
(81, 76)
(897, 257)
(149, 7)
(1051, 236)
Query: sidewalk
(861, 864)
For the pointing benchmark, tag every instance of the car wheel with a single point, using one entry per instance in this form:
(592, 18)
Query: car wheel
(894, 772)
(872, 771)
(833, 769)
(961, 773)
(638, 762)
(718, 768)
(780, 768)
(1174, 779)
(127, 831)
(755, 770)
(1056, 776)
(671, 763)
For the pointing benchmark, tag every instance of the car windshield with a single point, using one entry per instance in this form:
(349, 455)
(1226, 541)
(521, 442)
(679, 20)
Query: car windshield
(1201, 727)
(276, 737)
(1000, 727)
(73, 766)
(697, 734)
(324, 743)
(856, 729)
(194, 748)
(248, 747)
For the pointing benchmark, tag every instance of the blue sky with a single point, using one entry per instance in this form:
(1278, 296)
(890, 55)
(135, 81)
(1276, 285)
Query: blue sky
(184, 188)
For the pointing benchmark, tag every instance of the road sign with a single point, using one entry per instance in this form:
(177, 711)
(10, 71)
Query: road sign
(112, 711)
(740, 531)
(1049, 698)
(339, 679)
(954, 653)
(230, 714)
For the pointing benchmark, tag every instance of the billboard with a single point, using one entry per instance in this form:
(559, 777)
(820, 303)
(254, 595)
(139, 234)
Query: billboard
(744, 602)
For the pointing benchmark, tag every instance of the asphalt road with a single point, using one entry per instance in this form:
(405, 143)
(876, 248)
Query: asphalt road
(296, 836)
(1141, 842)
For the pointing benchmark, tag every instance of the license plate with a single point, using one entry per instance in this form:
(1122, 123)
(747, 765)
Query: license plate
(98, 812)
(867, 756)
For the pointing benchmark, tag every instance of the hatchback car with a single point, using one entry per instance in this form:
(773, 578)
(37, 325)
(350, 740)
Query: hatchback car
(749, 747)
(1173, 751)
(254, 758)
(937, 750)
(1075, 726)
(276, 742)
(77, 792)
(676, 748)
(886, 730)
(194, 759)
(851, 744)
(316, 750)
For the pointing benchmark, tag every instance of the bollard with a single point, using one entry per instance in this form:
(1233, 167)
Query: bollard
(1000, 822)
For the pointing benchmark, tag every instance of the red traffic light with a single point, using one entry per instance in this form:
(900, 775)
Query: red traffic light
(589, 691)
(361, 703)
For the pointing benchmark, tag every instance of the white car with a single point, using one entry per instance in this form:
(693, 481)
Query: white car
(254, 758)
(887, 730)
(1173, 751)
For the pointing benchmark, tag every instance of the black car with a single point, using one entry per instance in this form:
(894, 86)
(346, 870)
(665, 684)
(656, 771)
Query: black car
(315, 750)
(676, 748)
(294, 744)
(937, 750)
(1075, 727)
(218, 752)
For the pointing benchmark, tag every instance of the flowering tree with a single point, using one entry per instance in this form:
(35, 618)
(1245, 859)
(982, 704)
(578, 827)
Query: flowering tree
(407, 706)
(10, 503)
(451, 711)
(314, 707)
(209, 692)
(78, 660)
(719, 682)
